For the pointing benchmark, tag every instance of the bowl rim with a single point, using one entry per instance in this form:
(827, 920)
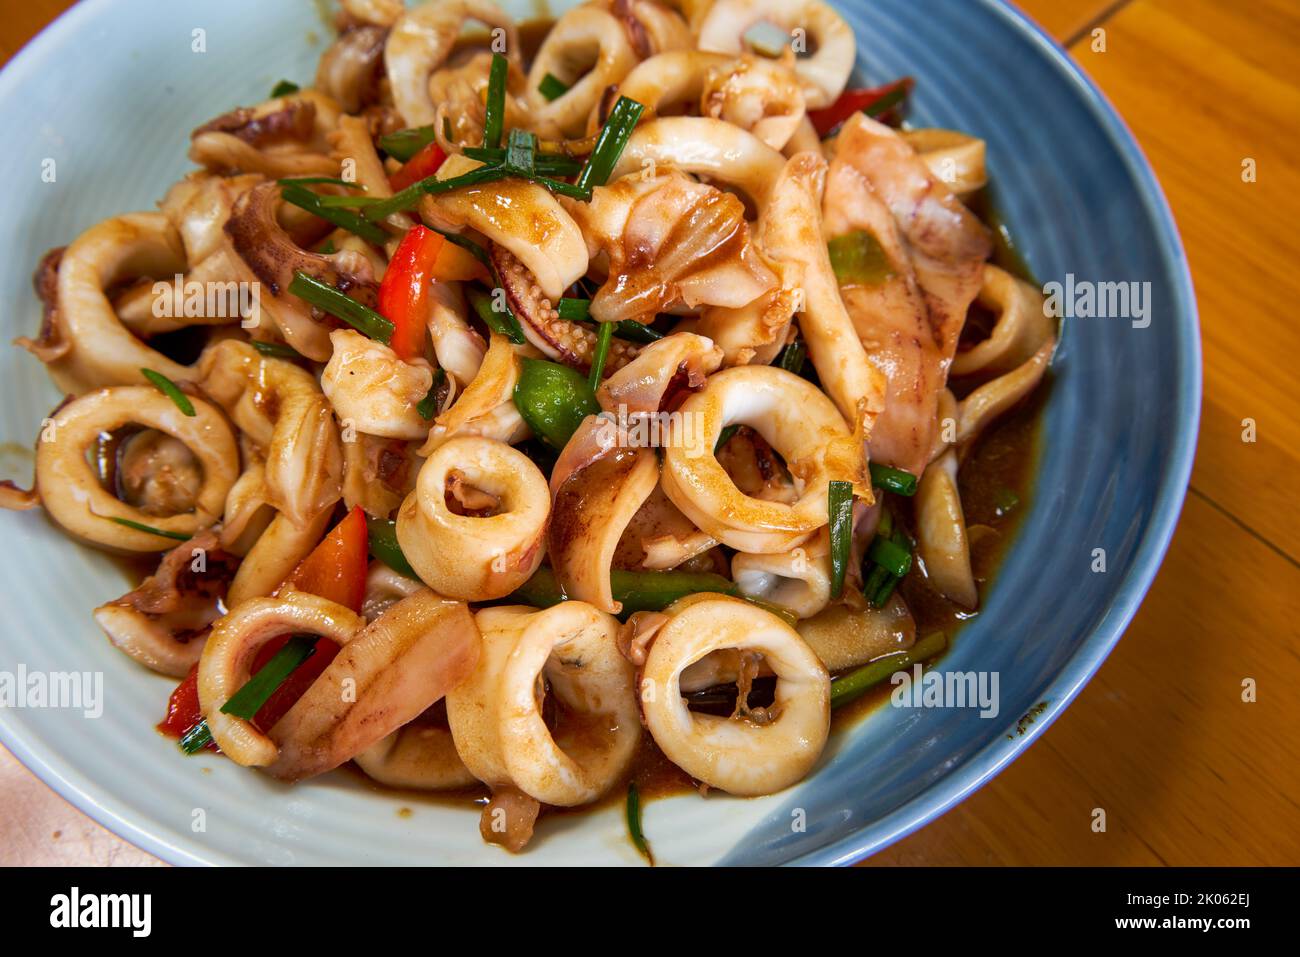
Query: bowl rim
(62, 775)
(990, 760)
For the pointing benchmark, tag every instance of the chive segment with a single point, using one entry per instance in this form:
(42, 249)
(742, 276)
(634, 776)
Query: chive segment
(304, 198)
(428, 406)
(892, 479)
(325, 297)
(276, 350)
(404, 144)
(382, 533)
(601, 355)
(634, 820)
(284, 88)
(141, 527)
(552, 87)
(574, 310)
(170, 389)
(494, 115)
(848, 687)
(610, 142)
(890, 555)
(196, 738)
(245, 702)
(503, 322)
(636, 590)
(839, 498)
(792, 357)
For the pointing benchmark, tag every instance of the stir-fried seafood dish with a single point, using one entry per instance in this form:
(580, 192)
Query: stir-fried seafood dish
(542, 413)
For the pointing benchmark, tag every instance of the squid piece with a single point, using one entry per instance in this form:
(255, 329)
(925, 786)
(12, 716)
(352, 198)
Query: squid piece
(378, 473)
(798, 580)
(792, 234)
(227, 657)
(644, 386)
(941, 541)
(568, 342)
(377, 392)
(588, 50)
(248, 510)
(457, 347)
(933, 253)
(799, 421)
(992, 399)
(285, 136)
(279, 407)
(671, 242)
(704, 146)
(660, 537)
(381, 13)
(756, 94)
(486, 408)
(738, 755)
(755, 332)
(349, 71)
(1020, 326)
(164, 623)
(523, 218)
(592, 508)
(83, 342)
(421, 40)
(467, 556)
(419, 756)
(270, 257)
(652, 27)
(72, 494)
(829, 40)
(390, 672)
(844, 637)
(275, 554)
(495, 715)
(956, 158)
(385, 588)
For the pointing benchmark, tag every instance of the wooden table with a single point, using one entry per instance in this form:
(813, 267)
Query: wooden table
(1187, 772)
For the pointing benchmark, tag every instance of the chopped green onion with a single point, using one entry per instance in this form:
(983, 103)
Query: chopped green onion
(552, 87)
(325, 297)
(196, 738)
(326, 248)
(1005, 501)
(574, 310)
(766, 38)
(169, 388)
(876, 580)
(276, 350)
(520, 149)
(610, 142)
(893, 480)
(725, 436)
(880, 597)
(792, 357)
(634, 817)
(245, 702)
(858, 258)
(304, 198)
(546, 164)
(553, 400)
(785, 614)
(284, 88)
(636, 590)
(404, 144)
(896, 559)
(407, 198)
(349, 202)
(429, 404)
(384, 546)
(494, 115)
(847, 687)
(634, 331)
(503, 322)
(839, 498)
(603, 338)
(318, 180)
(893, 98)
(141, 527)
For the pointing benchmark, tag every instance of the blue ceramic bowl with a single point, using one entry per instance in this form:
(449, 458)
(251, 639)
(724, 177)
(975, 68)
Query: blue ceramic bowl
(110, 93)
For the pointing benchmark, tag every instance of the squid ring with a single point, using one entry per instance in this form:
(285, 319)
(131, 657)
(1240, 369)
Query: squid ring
(73, 495)
(798, 580)
(824, 73)
(796, 419)
(585, 35)
(468, 557)
(729, 753)
(495, 714)
(228, 656)
(416, 756)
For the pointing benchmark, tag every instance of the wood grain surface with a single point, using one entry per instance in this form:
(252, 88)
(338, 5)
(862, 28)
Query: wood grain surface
(1186, 771)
